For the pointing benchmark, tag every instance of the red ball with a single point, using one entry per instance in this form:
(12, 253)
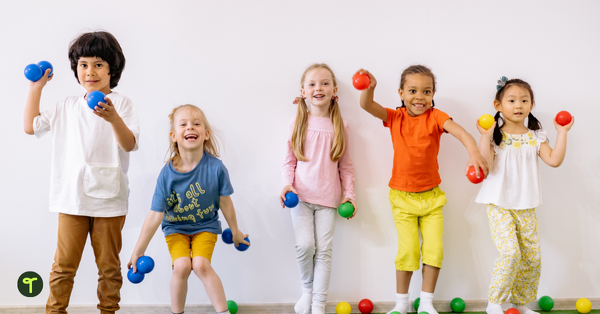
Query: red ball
(563, 118)
(473, 176)
(512, 311)
(361, 81)
(365, 306)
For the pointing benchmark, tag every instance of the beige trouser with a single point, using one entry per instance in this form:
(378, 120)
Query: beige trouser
(105, 235)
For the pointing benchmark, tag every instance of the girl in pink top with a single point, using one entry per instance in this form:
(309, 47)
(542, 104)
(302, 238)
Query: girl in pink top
(318, 168)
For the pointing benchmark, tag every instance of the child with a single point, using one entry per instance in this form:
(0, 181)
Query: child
(415, 196)
(319, 169)
(190, 189)
(513, 190)
(90, 158)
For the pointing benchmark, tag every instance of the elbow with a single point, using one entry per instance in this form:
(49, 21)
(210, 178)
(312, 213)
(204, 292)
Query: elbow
(28, 130)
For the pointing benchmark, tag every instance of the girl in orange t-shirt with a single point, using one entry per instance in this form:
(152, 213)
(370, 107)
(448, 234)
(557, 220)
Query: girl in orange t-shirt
(416, 198)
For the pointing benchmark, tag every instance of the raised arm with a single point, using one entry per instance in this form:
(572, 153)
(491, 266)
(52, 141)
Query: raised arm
(475, 158)
(485, 144)
(366, 99)
(32, 105)
(555, 157)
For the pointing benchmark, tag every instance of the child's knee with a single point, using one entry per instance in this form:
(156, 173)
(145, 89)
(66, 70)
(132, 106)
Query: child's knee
(201, 266)
(305, 248)
(182, 267)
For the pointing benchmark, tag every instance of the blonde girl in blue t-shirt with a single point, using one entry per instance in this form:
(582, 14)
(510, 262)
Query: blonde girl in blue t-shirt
(190, 190)
(512, 190)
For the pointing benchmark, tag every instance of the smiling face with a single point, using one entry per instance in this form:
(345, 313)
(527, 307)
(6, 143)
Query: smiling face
(417, 93)
(318, 87)
(189, 131)
(93, 74)
(515, 105)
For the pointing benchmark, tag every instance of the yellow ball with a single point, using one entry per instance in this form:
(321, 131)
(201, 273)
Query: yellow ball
(343, 308)
(486, 121)
(583, 305)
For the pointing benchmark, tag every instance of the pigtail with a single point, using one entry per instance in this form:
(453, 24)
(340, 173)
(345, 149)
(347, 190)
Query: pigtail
(338, 147)
(299, 132)
(497, 133)
(533, 123)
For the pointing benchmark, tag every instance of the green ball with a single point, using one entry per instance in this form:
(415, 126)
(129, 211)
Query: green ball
(416, 304)
(457, 305)
(232, 306)
(395, 312)
(423, 312)
(546, 303)
(346, 210)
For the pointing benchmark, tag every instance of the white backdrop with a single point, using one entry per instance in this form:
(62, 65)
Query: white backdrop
(241, 62)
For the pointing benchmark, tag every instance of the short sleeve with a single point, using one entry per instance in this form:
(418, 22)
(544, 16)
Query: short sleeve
(159, 200)
(42, 124)
(541, 136)
(440, 117)
(391, 116)
(128, 113)
(225, 187)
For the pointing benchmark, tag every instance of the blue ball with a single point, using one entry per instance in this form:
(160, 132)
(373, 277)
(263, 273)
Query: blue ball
(45, 65)
(94, 98)
(33, 72)
(227, 236)
(135, 278)
(145, 264)
(242, 247)
(291, 199)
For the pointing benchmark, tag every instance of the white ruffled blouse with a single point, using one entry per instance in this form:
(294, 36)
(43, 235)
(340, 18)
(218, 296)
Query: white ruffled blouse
(514, 180)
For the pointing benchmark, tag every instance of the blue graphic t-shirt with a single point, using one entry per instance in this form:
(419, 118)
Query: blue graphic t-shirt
(190, 200)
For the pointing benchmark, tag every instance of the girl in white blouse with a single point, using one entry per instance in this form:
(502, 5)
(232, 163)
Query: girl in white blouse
(512, 190)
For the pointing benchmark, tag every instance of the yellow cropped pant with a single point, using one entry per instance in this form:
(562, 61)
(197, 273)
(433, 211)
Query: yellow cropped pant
(413, 212)
(517, 269)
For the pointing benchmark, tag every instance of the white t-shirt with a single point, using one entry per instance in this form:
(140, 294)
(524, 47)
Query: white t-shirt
(514, 181)
(88, 175)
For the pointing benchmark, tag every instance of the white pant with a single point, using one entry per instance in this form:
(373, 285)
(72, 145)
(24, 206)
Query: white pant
(314, 226)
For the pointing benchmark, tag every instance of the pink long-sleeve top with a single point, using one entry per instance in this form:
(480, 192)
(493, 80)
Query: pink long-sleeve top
(319, 180)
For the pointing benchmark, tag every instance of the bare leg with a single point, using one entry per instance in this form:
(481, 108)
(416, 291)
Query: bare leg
(182, 267)
(212, 283)
(430, 277)
(403, 281)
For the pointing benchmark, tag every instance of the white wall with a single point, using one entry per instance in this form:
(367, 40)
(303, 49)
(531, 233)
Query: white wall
(241, 61)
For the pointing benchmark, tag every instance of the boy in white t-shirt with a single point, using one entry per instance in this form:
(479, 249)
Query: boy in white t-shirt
(90, 158)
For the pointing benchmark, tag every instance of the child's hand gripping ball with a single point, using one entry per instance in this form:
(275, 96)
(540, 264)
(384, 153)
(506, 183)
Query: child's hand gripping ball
(563, 118)
(361, 81)
(486, 121)
(291, 200)
(135, 277)
(94, 98)
(346, 210)
(472, 175)
(145, 264)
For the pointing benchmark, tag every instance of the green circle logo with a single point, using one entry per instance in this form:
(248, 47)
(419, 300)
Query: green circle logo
(30, 284)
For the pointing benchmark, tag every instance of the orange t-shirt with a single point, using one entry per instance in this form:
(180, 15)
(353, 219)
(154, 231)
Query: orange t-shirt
(416, 145)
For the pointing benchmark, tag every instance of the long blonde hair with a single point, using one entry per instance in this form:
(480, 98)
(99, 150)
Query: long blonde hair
(211, 145)
(338, 147)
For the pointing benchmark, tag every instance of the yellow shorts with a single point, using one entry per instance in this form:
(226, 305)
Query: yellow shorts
(191, 245)
(413, 212)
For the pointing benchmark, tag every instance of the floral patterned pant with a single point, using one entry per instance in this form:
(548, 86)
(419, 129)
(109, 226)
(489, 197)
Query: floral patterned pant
(517, 269)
